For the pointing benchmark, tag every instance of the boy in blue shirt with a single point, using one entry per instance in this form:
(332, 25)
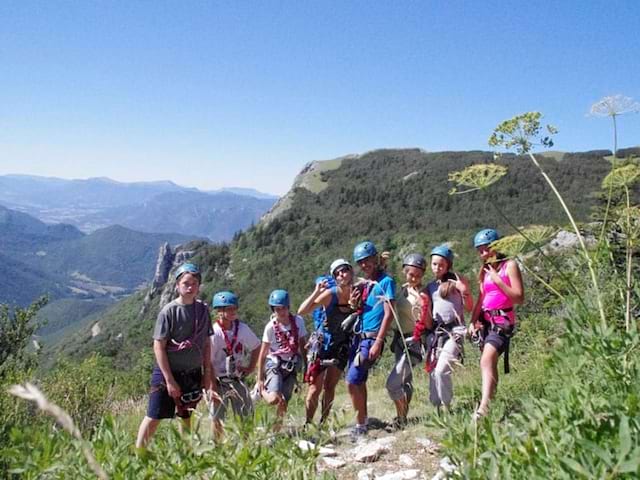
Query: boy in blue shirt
(377, 298)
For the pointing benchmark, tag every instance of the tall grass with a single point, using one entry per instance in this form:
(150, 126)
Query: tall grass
(583, 420)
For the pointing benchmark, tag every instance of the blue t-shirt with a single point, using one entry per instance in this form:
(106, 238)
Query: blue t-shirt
(373, 311)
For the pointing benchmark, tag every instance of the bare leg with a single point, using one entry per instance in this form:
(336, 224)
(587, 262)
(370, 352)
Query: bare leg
(402, 407)
(217, 429)
(331, 380)
(185, 425)
(147, 428)
(489, 368)
(311, 402)
(358, 394)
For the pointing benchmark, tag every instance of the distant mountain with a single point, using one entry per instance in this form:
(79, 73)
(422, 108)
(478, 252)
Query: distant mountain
(155, 207)
(61, 261)
(217, 216)
(249, 192)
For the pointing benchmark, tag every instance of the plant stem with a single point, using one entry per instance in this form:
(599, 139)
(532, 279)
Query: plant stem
(542, 281)
(627, 316)
(544, 255)
(592, 272)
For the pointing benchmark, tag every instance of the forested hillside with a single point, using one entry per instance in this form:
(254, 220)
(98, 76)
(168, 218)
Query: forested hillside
(61, 261)
(397, 198)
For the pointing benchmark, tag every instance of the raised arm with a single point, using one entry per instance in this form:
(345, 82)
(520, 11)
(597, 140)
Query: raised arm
(321, 295)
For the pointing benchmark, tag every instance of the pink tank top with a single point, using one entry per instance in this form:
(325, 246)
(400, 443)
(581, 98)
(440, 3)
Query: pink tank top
(495, 299)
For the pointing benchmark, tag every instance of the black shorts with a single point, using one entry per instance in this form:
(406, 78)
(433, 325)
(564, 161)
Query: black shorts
(161, 405)
(337, 351)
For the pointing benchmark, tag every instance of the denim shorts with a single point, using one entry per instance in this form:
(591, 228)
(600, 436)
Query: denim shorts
(359, 363)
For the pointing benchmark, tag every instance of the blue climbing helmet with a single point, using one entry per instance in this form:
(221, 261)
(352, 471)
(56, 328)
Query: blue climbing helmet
(279, 298)
(485, 237)
(444, 252)
(364, 250)
(415, 260)
(188, 268)
(224, 299)
(336, 264)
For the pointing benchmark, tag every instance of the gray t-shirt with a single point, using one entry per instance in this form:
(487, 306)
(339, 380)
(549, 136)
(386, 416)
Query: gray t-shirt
(186, 328)
(448, 310)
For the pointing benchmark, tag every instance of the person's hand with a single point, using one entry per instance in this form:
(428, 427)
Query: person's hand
(355, 297)
(375, 350)
(492, 272)
(460, 285)
(173, 389)
(321, 287)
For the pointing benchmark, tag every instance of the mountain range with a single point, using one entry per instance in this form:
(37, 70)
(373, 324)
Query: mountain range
(153, 207)
(61, 261)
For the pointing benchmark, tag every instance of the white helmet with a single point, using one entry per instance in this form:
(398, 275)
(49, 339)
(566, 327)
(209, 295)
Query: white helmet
(340, 262)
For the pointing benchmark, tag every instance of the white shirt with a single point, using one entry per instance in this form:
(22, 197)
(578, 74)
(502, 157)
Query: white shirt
(269, 335)
(246, 343)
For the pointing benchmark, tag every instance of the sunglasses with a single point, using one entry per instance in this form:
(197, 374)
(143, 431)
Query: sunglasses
(341, 271)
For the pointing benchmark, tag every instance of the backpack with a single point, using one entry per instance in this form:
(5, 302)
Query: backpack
(320, 313)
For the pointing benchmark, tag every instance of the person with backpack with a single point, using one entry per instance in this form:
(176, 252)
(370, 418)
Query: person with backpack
(449, 296)
(182, 350)
(494, 316)
(407, 353)
(328, 348)
(234, 354)
(282, 353)
(377, 297)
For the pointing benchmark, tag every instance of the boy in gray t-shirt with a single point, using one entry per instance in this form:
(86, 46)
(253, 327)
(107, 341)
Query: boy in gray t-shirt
(182, 349)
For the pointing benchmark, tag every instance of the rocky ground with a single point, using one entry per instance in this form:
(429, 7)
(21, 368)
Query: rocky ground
(381, 454)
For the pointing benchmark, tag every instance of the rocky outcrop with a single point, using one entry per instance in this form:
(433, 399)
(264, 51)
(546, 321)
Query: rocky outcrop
(163, 285)
(310, 179)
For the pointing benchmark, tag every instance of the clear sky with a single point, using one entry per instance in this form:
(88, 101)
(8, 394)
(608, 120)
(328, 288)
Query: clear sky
(239, 93)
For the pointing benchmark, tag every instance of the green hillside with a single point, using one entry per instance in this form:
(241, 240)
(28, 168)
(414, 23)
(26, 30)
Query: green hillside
(60, 261)
(397, 198)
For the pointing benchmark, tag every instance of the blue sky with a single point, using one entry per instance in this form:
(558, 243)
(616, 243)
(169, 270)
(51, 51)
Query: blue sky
(212, 94)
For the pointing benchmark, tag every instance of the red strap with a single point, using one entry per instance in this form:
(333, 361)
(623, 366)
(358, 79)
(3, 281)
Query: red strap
(287, 340)
(232, 343)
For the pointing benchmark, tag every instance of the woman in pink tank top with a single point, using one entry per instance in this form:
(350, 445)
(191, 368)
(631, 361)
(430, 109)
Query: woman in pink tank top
(501, 289)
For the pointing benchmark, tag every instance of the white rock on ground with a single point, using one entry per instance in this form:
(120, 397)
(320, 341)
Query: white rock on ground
(366, 474)
(446, 469)
(406, 460)
(327, 452)
(370, 452)
(401, 475)
(334, 462)
(305, 445)
(429, 445)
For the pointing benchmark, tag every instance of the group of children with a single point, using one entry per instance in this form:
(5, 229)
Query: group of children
(352, 319)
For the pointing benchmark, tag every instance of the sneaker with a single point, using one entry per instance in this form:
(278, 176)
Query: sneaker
(358, 432)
